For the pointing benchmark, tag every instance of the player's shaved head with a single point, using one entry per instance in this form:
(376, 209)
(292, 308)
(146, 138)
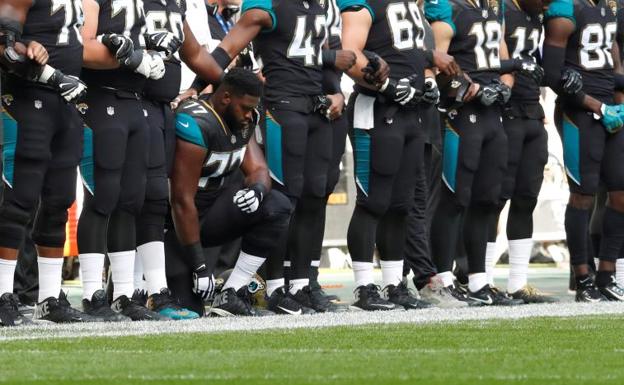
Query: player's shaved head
(241, 82)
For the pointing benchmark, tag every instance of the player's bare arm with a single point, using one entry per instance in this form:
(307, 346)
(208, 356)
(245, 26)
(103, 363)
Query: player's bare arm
(254, 166)
(95, 54)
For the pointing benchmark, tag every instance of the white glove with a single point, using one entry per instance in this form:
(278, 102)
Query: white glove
(157, 66)
(148, 64)
(248, 200)
(203, 284)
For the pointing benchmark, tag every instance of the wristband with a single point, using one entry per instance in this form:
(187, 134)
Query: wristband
(385, 85)
(429, 59)
(329, 57)
(260, 189)
(221, 57)
(195, 253)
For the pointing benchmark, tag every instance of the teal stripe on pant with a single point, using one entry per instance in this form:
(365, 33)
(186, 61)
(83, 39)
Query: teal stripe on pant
(449, 160)
(9, 140)
(571, 150)
(274, 149)
(86, 163)
(362, 149)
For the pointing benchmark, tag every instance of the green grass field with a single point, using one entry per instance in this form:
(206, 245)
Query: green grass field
(581, 350)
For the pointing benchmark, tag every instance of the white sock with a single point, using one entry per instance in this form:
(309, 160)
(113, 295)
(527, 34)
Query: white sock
(490, 255)
(7, 275)
(91, 267)
(122, 269)
(315, 263)
(138, 272)
(153, 259)
(391, 272)
(477, 281)
(447, 278)
(363, 273)
(246, 266)
(274, 284)
(519, 255)
(619, 271)
(298, 284)
(50, 277)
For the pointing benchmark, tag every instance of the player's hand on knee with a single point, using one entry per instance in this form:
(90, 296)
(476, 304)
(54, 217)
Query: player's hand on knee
(165, 42)
(119, 46)
(431, 92)
(248, 199)
(612, 117)
(203, 283)
(571, 81)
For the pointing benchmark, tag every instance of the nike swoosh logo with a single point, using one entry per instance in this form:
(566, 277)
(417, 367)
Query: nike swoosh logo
(298, 312)
(488, 302)
(184, 125)
(387, 306)
(65, 84)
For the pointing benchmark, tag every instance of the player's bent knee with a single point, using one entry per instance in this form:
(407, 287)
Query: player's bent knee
(49, 228)
(13, 220)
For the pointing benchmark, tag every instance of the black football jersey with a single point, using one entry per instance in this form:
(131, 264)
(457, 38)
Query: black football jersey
(122, 17)
(291, 50)
(589, 47)
(55, 24)
(397, 35)
(523, 34)
(477, 27)
(165, 16)
(198, 123)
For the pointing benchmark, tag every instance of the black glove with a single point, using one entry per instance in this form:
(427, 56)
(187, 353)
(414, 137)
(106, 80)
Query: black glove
(119, 45)
(529, 68)
(371, 67)
(245, 58)
(72, 89)
(401, 91)
(504, 93)
(147, 63)
(163, 42)
(431, 92)
(571, 81)
(488, 94)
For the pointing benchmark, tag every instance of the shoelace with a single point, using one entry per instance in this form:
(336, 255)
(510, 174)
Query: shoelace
(373, 291)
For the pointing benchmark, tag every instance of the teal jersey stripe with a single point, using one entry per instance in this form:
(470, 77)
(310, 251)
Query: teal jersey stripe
(449, 160)
(362, 152)
(9, 137)
(187, 129)
(86, 162)
(274, 149)
(571, 150)
(265, 5)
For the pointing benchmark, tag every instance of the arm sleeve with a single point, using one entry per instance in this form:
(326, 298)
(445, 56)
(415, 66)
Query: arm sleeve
(351, 5)
(265, 5)
(440, 10)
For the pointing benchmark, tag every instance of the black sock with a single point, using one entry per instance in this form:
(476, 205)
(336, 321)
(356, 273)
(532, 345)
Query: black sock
(603, 278)
(577, 229)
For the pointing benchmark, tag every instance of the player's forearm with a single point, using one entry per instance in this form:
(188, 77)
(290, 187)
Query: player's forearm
(185, 219)
(203, 64)
(355, 72)
(259, 176)
(97, 56)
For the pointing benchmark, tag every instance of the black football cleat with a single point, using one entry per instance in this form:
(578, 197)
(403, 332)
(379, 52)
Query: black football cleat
(98, 307)
(59, 310)
(368, 298)
(401, 296)
(586, 291)
(612, 291)
(316, 301)
(165, 304)
(230, 302)
(316, 289)
(282, 302)
(135, 309)
(491, 296)
(10, 315)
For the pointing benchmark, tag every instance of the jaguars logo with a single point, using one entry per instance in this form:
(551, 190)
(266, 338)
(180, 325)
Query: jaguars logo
(82, 108)
(613, 5)
(7, 99)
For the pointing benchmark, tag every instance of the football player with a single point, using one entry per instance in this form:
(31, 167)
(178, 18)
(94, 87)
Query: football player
(41, 57)
(116, 66)
(211, 205)
(167, 31)
(386, 135)
(289, 37)
(475, 144)
(527, 146)
(578, 64)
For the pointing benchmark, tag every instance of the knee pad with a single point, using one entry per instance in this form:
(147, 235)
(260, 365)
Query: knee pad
(13, 220)
(156, 189)
(49, 228)
(277, 206)
(523, 204)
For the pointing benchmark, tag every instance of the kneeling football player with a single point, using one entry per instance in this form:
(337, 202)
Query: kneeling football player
(212, 203)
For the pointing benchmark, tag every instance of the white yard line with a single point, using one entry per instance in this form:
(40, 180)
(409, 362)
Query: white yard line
(374, 319)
